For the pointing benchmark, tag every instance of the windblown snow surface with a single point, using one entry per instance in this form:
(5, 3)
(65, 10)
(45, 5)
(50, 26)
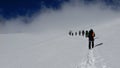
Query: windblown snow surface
(56, 49)
(61, 51)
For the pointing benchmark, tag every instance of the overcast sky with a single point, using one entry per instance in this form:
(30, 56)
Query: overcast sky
(18, 16)
(13, 8)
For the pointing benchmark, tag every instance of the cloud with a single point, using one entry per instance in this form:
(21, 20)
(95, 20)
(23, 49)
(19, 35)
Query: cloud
(73, 15)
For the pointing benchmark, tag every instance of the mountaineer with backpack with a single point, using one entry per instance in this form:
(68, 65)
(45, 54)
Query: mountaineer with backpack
(83, 32)
(91, 36)
(86, 33)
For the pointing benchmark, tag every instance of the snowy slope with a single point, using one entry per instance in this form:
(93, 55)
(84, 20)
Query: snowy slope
(24, 50)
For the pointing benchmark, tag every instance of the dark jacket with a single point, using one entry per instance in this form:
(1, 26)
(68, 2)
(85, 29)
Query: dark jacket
(91, 35)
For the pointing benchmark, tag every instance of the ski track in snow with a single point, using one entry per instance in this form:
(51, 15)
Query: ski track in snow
(92, 61)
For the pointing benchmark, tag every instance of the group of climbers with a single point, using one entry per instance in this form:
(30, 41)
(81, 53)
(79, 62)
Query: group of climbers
(88, 34)
(80, 33)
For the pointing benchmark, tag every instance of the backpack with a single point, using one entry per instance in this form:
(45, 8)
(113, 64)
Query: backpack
(93, 34)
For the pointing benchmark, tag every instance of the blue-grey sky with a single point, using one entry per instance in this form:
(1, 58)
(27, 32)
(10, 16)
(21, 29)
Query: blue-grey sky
(55, 15)
(13, 8)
